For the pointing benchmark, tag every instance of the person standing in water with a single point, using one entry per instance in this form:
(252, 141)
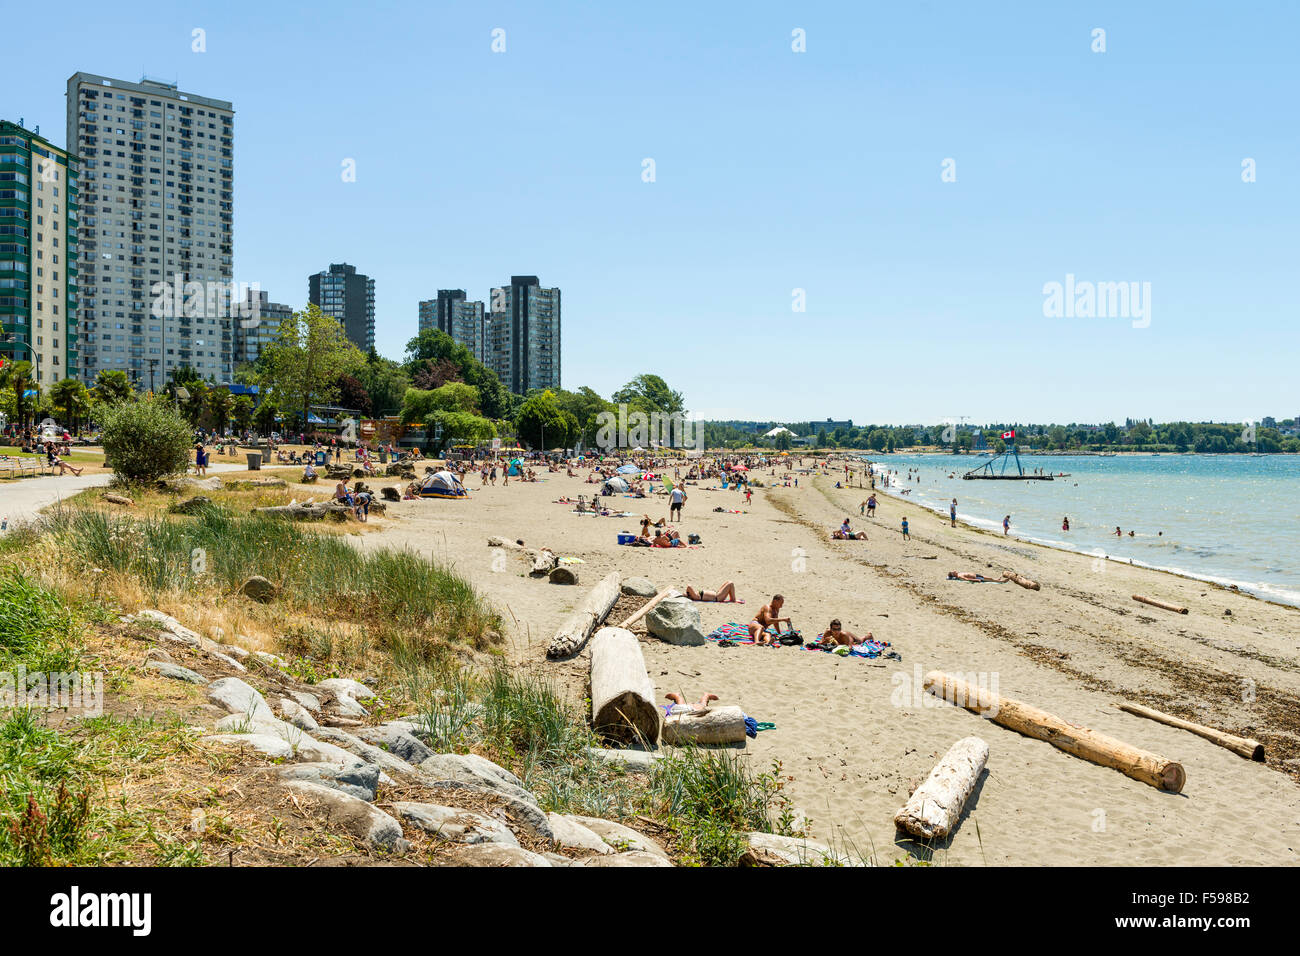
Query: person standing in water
(952, 512)
(1065, 523)
(1006, 524)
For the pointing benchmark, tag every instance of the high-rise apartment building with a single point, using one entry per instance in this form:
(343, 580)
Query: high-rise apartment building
(39, 195)
(522, 337)
(436, 313)
(460, 319)
(156, 220)
(257, 324)
(349, 296)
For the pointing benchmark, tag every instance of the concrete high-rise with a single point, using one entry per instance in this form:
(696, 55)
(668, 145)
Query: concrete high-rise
(461, 319)
(522, 335)
(349, 296)
(258, 328)
(156, 223)
(39, 193)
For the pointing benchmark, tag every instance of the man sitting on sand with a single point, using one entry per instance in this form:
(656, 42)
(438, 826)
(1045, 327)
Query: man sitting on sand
(977, 578)
(844, 532)
(768, 616)
(726, 593)
(669, 539)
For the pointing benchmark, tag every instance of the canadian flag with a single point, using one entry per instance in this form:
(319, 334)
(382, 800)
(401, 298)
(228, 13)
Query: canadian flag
(1010, 434)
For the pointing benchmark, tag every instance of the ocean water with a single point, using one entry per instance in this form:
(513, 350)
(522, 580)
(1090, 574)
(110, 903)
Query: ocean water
(1232, 519)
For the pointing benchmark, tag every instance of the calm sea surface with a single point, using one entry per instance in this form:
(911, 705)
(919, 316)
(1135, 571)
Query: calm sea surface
(1233, 519)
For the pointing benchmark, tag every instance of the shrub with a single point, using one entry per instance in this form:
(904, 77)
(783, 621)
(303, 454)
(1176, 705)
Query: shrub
(145, 440)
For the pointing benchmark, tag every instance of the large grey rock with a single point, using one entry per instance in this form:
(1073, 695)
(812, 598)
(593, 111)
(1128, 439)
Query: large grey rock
(771, 849)
(228, 661)
(454, 824)
(633, 760)
(237, 697)
(259, 589)
(309, 701)
(172, 629)
(267, 744)
(639, 587)
(525, 816)
(297, 715)
(677, 621)
(495, 854)
(357, 779)
(350, 814)
(397, 742)
(343, 685)
(302, 745)
(176, 672)
(570, 833)
(370, 753)
(630, 858)
(471, 768)
(619, 837)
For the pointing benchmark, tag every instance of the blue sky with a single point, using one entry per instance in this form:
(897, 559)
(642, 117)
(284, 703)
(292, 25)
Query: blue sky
(774, 171)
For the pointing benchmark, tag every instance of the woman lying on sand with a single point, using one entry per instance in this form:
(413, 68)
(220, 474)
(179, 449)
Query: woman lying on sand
(977, 578)
(724, 594)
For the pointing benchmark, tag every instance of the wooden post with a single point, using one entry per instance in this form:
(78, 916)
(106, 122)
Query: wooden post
(936, 805)
(622, 693)
(577, 627)
(1247, 747)
(1086, 744)
(1176, 608)
(717, 725)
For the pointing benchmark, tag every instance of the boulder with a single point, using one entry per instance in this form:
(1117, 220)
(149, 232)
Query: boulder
(309, 701)
(630, 858)
(267, 744)
(181, 484)
(676, 620)
(524, 815)
(172, 629)
(259, 589)
(771, 849)
(228, 661)
(569, 833)
(297, 715)
(344, 685)
(632, 760)
(454, 824)
(619, 837)
(471, 768)
(370, 753)
(390, 493)
(176, 672)
(237, 697)
(191, 506)
(495, 854)
(563, 574)
(397, 742)
(543, 563)
(350, 814)
(158, 654)
(639, 587)
(357, 779)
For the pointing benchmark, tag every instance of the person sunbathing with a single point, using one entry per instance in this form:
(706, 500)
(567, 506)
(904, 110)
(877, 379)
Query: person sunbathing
(845, 533)
(768, 616)
(726, 593)
(976, 578)
(835, 634)
(679, 705)
(669, 539)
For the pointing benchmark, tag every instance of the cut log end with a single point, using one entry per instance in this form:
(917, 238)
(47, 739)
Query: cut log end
(1173, 777)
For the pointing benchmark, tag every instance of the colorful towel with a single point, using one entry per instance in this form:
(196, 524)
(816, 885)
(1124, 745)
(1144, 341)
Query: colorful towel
(736, 633)
(867, 649)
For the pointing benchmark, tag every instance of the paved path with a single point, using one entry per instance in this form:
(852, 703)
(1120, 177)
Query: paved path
(21, 499)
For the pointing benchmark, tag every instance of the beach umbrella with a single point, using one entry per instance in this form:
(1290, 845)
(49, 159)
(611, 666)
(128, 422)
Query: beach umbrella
(740, 468)
(628, 470)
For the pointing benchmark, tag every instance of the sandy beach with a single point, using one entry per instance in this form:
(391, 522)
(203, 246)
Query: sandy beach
(854, 737)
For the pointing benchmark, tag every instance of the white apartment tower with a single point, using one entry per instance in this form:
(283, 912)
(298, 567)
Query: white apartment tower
(156, 208)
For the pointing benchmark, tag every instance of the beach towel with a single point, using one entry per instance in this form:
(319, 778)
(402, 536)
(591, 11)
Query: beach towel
(736, 633)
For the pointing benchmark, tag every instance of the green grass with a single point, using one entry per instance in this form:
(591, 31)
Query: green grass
(396, 591)
(37, 628)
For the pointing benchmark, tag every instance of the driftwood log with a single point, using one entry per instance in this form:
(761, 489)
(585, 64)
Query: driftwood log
(1152, 769)
(646, 608)
(310, 511)
(622, 694)
(1247, 747)
(717, 725)
(1023, 581)
(936, 805)
(544, 562)
(586, 617)
(1176, 608)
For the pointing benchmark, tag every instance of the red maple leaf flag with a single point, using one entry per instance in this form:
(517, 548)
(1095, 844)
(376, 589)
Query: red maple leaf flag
(1010, 434)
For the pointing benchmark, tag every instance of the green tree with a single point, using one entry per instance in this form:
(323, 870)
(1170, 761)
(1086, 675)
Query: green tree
(16, 377)
(112, 387)
(220, 403)
(311, 352)
(419, 404)
(783, 442)
(386, 382)
(650, 393)
(71, 401)
(241, 412)
(264, 418)
(145, 440)
(541, 422)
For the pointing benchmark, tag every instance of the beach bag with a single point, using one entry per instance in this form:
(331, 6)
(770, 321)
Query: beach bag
(693, 539)
(790, 639)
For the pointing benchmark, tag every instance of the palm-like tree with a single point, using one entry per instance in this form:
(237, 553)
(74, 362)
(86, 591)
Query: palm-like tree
(71, 401)
(18, 376)
(112, 387)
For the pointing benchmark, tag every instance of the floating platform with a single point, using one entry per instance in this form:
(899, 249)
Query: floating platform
(986, 472)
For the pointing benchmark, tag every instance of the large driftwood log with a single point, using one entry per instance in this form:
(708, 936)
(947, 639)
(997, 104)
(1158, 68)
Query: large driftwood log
(544, 562)
(1176, 608)
(589, 615)
(622, 694)
(1247, 747)
(311, 511)
(1023, 581)
(936, 805)
(717, 725)
(646, 608)
(1160, 772)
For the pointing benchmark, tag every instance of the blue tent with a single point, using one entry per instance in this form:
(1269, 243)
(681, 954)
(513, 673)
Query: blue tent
(629, 470)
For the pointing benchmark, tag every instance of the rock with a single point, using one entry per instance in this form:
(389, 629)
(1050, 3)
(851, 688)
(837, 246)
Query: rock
(172, 629)
(525, 816)
(390, 493)
(349, 707)
(396, 742)
(677, 621)
(639, 587)
(309, 701)
(228, 661)
(273, 660)
(259, 589)
(495, 542)
(633, 760)
(191, 506)
(370, 753)
(176, 672)
(297, 715)
(237, 697)
(158, 654)
(454, 824)
(343, 685)
(356, 817)
(631, 858)
(116, 499)
(357, 779)
(563, 574)
(619, 837)
(189, 484)
(263, 743)
(557, 860)
(232, 650)
(570, 833)
(770, 849)
(494, 854)
(471, 768)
